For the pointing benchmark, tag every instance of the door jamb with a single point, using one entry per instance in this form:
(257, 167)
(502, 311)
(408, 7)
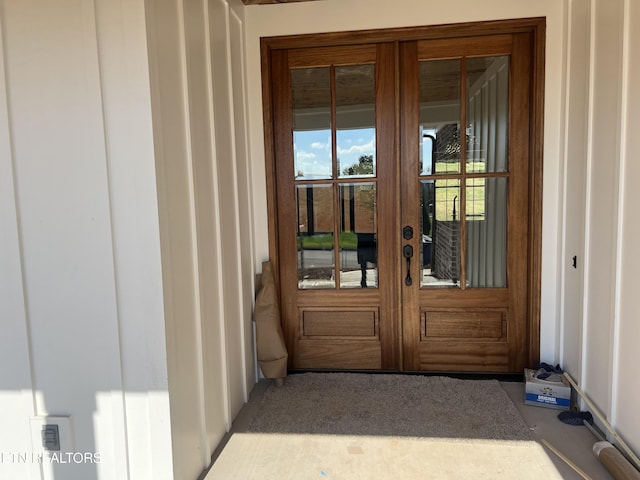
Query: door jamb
(536, 27)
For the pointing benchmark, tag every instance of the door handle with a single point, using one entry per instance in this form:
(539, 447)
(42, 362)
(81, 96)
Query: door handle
(407, 252)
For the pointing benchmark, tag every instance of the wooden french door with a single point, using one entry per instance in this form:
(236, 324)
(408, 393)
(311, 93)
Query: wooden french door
(405, 198)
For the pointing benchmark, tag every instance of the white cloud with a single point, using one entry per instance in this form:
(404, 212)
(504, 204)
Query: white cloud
(355, 149)
(302, 155)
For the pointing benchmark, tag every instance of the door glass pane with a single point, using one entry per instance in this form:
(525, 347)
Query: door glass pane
(487, 114)
(315, 236)
(311, 105)
(355, 120)
(440, 230)
(358, 236)
(439, 116)
(486, 229)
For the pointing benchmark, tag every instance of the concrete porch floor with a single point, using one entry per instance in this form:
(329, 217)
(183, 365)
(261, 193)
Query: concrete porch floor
(575, 442)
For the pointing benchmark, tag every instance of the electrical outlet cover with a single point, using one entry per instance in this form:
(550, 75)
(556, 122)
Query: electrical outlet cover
(64, 431)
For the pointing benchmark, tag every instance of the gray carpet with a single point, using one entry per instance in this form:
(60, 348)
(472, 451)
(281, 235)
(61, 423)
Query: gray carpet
(389, 405)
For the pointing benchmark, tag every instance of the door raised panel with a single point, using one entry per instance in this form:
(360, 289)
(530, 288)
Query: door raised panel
(465, 325)
(338, 322)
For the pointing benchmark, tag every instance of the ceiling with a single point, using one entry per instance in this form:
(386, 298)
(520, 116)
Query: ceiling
(267, 2)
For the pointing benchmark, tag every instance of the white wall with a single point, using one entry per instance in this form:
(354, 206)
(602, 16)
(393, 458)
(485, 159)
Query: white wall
(126, 252)
(80, 291)
(341, 15)
(603, 183)
(197, 90)
(600, 336)
(626, 396)
(574, 186)
(16, 380)
(178, 233)
(599, 326)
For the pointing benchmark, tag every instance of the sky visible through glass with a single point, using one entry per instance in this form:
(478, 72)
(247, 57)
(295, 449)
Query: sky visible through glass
(312, 150)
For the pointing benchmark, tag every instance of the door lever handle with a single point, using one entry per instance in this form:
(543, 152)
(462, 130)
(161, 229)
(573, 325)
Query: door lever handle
(407, 252)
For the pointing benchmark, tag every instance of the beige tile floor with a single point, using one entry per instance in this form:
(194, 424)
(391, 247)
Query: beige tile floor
(575, 442)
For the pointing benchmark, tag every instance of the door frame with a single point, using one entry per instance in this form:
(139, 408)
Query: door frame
(535, 27)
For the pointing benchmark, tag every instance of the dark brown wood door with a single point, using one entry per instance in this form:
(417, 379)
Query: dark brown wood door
(335, 160)
(464, 182)
(403, 203)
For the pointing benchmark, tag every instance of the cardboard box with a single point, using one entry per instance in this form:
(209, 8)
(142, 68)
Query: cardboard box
(546, 394)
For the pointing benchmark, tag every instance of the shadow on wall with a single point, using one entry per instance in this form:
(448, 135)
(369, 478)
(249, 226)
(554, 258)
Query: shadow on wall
(78, 454)
(47, 446)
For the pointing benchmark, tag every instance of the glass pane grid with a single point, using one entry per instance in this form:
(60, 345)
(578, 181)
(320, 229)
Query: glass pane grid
(355, 120)
(486, 232)
(311, 114)
(358, 236)
(334, 138)
(440, 233)
(315, 237)
(487, 115)
(476, 157)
